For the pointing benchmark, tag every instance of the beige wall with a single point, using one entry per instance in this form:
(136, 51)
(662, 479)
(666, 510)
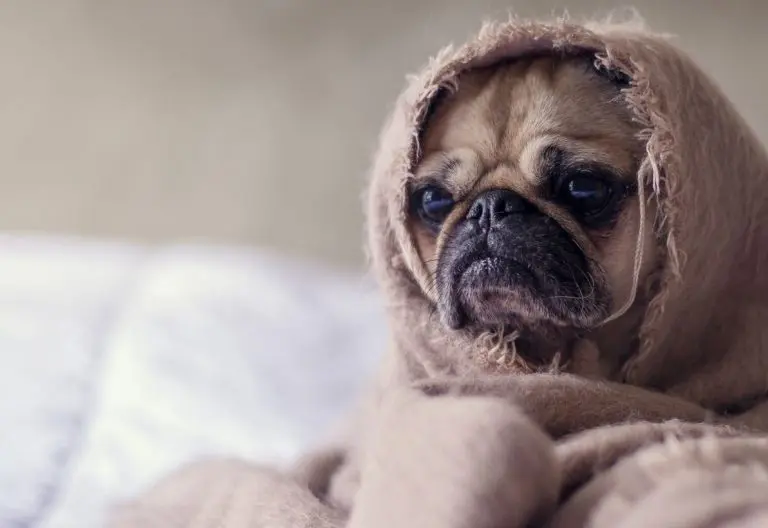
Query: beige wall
(252, 121)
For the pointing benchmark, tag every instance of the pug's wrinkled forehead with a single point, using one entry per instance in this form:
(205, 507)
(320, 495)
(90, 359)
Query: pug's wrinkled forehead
(522, 123)
(519, 206)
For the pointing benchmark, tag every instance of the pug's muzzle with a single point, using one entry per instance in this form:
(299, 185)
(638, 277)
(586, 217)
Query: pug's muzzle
(507, 263)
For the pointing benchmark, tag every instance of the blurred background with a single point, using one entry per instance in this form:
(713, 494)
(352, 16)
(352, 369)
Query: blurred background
(253, 121)
(181, 272)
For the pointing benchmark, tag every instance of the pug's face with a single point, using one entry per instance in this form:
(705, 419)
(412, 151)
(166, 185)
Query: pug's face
(524, 206)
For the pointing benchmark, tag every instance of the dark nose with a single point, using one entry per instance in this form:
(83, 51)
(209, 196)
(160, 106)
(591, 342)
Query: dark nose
(492, 206)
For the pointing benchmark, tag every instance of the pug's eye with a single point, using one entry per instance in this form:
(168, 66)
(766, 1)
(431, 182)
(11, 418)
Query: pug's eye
(586, 194)
(433, 203)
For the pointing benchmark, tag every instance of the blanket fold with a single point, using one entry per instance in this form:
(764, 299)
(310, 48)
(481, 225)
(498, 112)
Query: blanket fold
(498, 469)
(695, 483)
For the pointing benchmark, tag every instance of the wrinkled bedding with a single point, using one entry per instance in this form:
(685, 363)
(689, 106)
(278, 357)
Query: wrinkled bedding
(122, 362)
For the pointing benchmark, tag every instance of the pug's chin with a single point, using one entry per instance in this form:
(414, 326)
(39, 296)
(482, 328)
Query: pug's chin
(495, 291)
(497, 306)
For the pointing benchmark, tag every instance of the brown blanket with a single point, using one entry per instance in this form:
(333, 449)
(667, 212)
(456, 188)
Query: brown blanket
(459, 433)
(478, 462)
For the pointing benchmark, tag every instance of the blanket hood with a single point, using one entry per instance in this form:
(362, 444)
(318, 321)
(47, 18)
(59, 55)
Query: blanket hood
(704, 335)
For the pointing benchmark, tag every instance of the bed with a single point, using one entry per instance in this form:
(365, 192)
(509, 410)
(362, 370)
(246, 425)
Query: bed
(121, 362)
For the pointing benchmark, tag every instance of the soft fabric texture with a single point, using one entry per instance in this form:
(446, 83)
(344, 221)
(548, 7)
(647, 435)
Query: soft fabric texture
(496, 470)
(458, 432)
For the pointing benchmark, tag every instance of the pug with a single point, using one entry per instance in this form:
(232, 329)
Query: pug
(525, 208)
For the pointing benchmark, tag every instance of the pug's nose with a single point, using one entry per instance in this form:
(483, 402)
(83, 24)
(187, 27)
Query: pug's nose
(492, 206)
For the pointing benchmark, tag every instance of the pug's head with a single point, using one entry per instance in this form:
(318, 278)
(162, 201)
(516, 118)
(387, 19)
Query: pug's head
(525, 203)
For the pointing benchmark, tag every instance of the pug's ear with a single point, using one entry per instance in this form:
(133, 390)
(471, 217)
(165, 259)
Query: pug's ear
(437, 101)
(614, 75)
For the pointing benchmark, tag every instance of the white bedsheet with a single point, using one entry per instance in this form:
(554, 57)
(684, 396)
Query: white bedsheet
(121, 362)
